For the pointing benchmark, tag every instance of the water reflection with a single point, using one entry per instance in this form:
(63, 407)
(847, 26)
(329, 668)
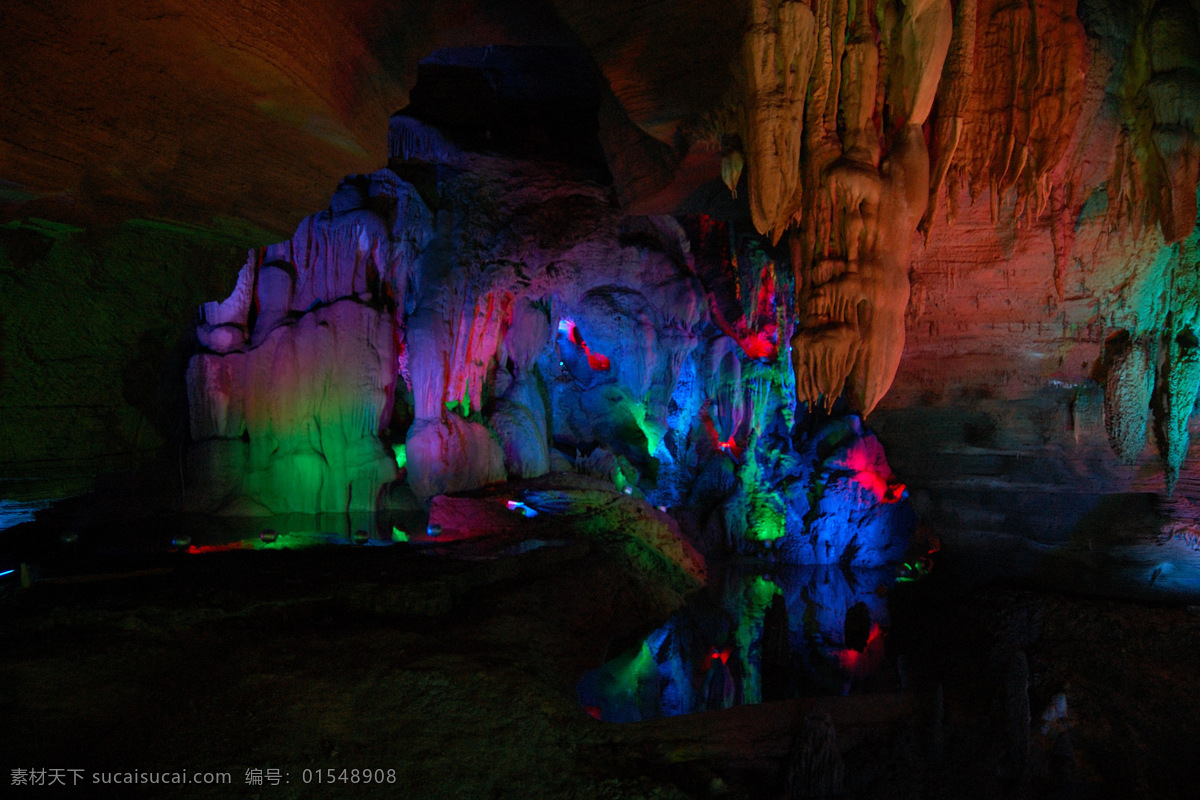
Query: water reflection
(17, 512)
(759, 632)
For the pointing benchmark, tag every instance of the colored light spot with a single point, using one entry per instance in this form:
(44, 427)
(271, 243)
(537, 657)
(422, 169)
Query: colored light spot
(915, 570)
(517, 505)
(759, 338)
(597, 361)
(398, 535)
(759, 344)
(201, 549)
(7, 572)
(729, 445)
(401, 453)
(859, 459)
(771, 526)
(850, 660)
(761, 590)
(462, 406)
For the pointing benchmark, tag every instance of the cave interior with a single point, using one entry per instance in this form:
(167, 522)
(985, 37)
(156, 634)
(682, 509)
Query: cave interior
(837, 360)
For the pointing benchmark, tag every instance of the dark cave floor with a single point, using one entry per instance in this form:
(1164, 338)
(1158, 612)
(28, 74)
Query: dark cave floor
(458, 672)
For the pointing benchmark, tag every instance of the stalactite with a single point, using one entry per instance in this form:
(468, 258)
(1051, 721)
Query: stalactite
(1127, 206)
(860, 78)
(1008, 106)
(723, 387)
(1181, 384)
(953, 92)
(762, 385)
(1062, 233)
(411, 139)
(1127, 392)
(1157, 165)
(776, 59)
(919, 46)
(864, 195)
(731, 170)
(1173, 90)
(481, 328)
(1057, 98)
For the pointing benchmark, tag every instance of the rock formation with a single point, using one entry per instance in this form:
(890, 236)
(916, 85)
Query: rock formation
(828, 111)
(295, 385)
(490, 315)
(972, 223)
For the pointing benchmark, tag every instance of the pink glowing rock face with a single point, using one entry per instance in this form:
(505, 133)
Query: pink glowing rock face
(865, 459)
(290, 399)
(450, 455)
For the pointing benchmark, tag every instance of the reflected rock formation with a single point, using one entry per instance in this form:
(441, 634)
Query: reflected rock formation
(754, 637)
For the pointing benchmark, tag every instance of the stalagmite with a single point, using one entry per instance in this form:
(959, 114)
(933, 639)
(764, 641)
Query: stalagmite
(815, 767)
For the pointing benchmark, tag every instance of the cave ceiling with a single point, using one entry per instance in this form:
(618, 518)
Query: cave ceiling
(221, 110)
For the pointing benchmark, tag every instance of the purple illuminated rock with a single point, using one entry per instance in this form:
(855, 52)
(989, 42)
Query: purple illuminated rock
(294, 389)
(451, 455)
(521, 426)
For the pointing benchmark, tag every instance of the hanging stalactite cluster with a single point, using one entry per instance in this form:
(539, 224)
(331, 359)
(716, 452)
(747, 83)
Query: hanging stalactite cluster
(836, 155)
